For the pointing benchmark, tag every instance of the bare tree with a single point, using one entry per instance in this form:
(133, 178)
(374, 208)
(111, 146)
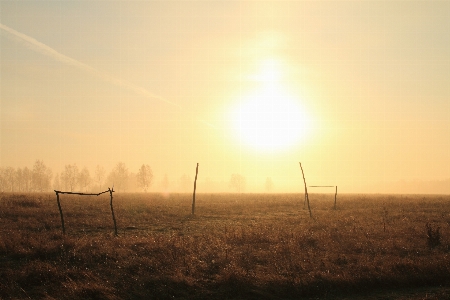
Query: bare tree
(237, 182)
(2, 180)
(119, 177)
(19, 181)
(268, 184)
(84, 179)
(27, 178)
(9, 178)
(57, 182)
(69, 177)
(41, 176)
(99, 176)
(144, 177)
(165, 184)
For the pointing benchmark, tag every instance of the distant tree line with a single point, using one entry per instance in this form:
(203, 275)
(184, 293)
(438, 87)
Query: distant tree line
(40, 178)
(37, 179)
(71, 178)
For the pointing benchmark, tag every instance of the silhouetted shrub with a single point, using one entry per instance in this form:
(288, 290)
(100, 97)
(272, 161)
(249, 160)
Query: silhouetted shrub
(433, 236)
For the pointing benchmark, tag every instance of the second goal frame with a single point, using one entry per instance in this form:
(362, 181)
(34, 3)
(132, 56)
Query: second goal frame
(335, 193)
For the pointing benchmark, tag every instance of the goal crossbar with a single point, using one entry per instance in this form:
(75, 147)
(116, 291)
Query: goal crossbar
(322, 186)
(110, 191)
(328, 186)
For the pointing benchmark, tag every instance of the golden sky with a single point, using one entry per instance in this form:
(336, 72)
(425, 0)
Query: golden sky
(358, 91)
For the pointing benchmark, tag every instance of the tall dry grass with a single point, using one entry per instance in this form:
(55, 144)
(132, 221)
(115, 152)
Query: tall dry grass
(236, 246)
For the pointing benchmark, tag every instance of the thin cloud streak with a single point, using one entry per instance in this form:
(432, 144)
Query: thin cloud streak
(208, 124)
(37, 46)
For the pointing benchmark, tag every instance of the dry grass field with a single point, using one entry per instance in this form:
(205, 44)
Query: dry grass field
(250, 246)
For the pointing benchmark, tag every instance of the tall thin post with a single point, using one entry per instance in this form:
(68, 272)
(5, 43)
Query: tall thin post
(306, 191)
(335, 195)
(112, 210)
(195, 187)
(60, 212)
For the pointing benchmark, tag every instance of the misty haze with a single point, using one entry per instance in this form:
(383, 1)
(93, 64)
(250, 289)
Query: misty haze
(224, 149)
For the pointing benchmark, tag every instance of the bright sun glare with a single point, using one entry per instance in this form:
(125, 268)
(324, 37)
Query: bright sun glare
(269, 118)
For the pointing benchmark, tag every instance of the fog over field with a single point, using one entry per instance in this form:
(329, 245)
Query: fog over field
(357, 91)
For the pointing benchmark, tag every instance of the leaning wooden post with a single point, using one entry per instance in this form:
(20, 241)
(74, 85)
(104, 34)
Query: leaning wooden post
(306, 191)
(335, 195)
(60, 212)
(195, 187)
(112, 210)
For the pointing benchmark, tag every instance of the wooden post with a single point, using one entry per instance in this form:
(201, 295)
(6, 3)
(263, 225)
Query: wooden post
(306, 191)
(195, 187)
(335, 195)
(112, 210)
(60, 212)
(304, 202)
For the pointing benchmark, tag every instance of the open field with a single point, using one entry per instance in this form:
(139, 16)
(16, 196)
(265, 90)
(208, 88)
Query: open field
(250, 246)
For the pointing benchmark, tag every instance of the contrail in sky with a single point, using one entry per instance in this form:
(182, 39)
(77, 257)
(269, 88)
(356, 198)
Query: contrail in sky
(46, 50)
(208, 124)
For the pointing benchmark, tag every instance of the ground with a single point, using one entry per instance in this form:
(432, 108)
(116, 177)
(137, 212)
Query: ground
(236, 246)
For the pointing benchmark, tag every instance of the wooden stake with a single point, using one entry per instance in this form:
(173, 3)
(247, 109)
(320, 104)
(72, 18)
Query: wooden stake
(60, 212)
(304, 202)
(112, 210)
(306, 192)
(195, 187)
(335, 195)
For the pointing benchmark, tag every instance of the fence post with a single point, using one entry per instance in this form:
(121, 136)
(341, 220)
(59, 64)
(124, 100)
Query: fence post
(112, 210)
(60, 212)
(195, 187)
(306, 191)
(335, 195)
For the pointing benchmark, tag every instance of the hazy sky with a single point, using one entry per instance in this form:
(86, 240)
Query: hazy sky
(358, 91)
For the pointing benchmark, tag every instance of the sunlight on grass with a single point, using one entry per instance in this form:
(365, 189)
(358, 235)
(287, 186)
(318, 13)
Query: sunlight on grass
(234, 244)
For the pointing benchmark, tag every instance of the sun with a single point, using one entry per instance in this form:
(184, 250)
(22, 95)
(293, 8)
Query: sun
(269, 120)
